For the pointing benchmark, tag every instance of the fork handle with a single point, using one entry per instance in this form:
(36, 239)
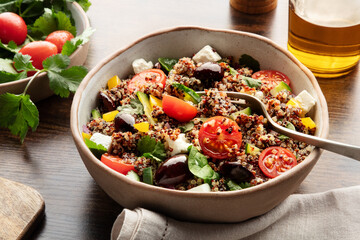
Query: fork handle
(348, 150)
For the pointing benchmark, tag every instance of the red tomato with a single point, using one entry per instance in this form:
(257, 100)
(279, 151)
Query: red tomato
(220, 137)
(59, 38)
(274, 161)
(143, 79)
(39, 51)
(177, 108)
(271, 77)
(116, 163)
(12, 27)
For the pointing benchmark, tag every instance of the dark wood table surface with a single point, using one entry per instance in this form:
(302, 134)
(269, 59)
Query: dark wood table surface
(76, 207)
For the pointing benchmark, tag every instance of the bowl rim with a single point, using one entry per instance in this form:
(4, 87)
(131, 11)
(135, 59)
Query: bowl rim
(314, 155)
(87, 25)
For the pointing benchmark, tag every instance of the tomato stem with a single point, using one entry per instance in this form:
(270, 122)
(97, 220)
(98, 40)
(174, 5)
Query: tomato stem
(32, 78)
(31, 39)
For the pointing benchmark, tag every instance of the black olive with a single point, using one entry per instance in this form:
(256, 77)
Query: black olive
(107, 103)
(173, 171)
(236, 172)
(208, 73)
(124, 122)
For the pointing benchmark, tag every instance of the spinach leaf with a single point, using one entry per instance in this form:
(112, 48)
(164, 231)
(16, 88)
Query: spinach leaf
(96, 149)
(149, 147)
(234, 186)
(187, 127)
(248, 61)
(251, 82)
(199, 166)
(167, 63)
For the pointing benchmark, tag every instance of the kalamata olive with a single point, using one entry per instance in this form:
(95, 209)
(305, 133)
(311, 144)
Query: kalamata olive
(173, 171)
(208, 73)
(236, 172)
(124, 122)
(107, 103)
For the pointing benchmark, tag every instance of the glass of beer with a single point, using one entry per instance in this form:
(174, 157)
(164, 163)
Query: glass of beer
(325, 35)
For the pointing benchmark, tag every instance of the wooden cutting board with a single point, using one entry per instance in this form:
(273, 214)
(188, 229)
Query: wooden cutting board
(21, 207)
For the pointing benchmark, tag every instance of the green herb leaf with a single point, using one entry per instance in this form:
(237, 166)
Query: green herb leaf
(233, 72)
(70, 46)
(168, 63)
(234, 186)
(251, 82)
(9, 77)
(63, 81)
(248, 61)
(18, 113)
(135, 107)
(199, 166)
(85, 4)
(11, 46)
(96, 149)
(23, 63)
(148, 145)
(8, 6)
(187, 127)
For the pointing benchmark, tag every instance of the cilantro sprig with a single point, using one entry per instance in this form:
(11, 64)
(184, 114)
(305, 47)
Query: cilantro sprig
(17, 112)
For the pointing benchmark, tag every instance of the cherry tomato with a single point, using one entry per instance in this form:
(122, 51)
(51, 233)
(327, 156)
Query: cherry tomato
(39, 51)
(59, 38)
(220, 137)
(271, 77)
(116, 163)
(143, 79)
(177, 108)
(274, 161)
(12, 27)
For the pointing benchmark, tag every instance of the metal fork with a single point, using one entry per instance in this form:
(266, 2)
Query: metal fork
(256, 105)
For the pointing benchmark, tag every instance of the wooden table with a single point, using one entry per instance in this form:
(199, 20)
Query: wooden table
(76, 207)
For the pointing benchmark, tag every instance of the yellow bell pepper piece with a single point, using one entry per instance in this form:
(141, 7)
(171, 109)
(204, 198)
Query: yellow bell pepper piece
(86, 135)
(308, 122)
(295, 103)
(154, 101)
(109, 116)
(113, 82)
(142, 127)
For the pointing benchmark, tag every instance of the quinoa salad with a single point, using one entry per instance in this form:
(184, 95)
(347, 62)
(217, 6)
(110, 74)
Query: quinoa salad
(155, 127)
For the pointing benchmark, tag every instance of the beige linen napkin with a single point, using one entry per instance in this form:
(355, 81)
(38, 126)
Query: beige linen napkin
(330, 215)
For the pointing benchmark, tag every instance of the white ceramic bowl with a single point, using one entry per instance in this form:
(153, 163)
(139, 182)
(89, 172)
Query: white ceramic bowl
(229, 206)
(39, 88)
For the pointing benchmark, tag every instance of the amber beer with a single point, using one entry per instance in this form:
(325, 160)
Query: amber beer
(328, 44)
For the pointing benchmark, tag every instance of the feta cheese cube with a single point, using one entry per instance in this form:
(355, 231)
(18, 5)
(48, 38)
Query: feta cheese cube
(306, 101)
(180, 145)
(140, 65)
(206, 54)
(102, 139)
(259, 95)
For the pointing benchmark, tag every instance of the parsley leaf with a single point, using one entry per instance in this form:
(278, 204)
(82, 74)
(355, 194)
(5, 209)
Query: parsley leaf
(70, 46)
(6, 65)
(85, 4)
(63, 80)
(9, 77)
(23, 63)
(18, 113)
(11, 46)
(96, 149)
(148, 147)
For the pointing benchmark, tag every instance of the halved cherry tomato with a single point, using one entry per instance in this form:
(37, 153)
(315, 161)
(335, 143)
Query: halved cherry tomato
(59, 38)
(39, 51)
(274, 161)
(177, 108)
(116, 163)
(271, 77)
(143, 79)
(12, 27)
(220, 137)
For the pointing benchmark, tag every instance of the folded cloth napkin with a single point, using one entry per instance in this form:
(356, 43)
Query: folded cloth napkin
(330, 215)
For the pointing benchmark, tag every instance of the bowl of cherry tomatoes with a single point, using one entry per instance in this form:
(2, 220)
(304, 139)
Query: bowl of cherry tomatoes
(97, 132)
(17, 36)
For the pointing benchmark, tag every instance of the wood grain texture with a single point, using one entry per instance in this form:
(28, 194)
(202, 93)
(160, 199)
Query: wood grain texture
(76, 208)
(20, 208)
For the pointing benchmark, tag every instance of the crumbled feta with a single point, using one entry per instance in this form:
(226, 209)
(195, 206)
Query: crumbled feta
(180, 145)
(259, 95)
(206, 54)
(306, 101)
(102, 139)
(140, 65)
